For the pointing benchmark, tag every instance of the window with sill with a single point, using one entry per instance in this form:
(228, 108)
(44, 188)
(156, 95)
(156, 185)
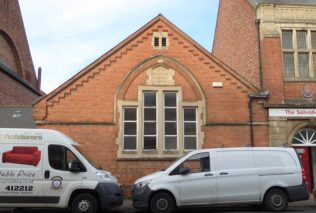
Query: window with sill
(299, 54)
(165, 125)
(160, 40)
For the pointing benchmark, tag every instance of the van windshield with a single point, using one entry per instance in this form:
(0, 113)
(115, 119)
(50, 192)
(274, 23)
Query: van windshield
(84, 155)
(179, 158)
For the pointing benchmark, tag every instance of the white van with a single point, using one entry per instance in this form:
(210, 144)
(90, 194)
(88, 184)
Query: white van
(269, 176)
(45, 168)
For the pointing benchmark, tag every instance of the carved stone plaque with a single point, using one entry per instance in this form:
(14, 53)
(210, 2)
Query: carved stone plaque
(160, 76)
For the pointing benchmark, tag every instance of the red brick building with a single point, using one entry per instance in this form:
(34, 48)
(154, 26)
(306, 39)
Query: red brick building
(155, 96)
(19, 87)
(273, 45)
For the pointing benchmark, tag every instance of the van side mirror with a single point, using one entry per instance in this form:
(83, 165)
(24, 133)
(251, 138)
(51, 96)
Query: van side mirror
(184, 171)
(75, 166)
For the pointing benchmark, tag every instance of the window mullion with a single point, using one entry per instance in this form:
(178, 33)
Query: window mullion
(310, 64)
(310, 54)
(294, 40)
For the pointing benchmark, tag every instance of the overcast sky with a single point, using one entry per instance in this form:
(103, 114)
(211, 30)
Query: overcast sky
(65, 36)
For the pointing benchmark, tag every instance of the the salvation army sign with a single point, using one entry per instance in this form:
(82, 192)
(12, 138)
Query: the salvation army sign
(294, 113)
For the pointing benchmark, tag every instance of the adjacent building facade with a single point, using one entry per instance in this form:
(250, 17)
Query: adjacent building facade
(19, 87)
(272, 43)
(155, 96)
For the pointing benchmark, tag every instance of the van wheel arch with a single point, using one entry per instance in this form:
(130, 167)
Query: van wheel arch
(162, 191)
(83, 191)
(275, 187)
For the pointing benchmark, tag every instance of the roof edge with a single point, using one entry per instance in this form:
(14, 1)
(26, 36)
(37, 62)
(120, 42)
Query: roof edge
(123, 43)
(6, 70)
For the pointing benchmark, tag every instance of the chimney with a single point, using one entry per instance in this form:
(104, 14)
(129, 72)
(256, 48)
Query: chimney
(39, 78)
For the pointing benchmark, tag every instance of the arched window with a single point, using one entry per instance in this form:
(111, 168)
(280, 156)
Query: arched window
(159, 124)
(305, 137)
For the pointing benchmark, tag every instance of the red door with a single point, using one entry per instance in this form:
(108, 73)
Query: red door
(304, 155)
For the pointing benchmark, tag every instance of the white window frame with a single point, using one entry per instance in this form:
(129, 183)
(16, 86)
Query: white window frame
(296, 51)
(150, 121)
(164, 121)
(129, 121)
(160, 150)
(196, 128)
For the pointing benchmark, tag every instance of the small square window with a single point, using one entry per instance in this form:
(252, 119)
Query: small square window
(303, 65)
(150, 99)
(160, 40)
(156, 41)
(130, 143)
(313, 34)
(287, 39)
(150, 142)
(288, 64)
(301, 39)
(163, 42)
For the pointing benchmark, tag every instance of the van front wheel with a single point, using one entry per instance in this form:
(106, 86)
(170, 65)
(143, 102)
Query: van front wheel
(276, 200)
(84, 203)
(161, 202)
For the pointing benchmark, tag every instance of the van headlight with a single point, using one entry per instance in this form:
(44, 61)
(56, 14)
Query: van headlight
(106, 175)
(141, 185)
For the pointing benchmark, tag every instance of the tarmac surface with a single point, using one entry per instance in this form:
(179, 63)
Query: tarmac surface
(127, 207)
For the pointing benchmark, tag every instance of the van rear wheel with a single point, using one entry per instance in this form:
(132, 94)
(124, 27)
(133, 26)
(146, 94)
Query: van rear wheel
(84, 203)
(162, 202)
(276, 200)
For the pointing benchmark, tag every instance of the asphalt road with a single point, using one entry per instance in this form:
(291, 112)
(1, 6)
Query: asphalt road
(307, 207)
(212, 210)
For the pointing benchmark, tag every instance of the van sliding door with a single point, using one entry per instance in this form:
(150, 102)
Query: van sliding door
(237, 176)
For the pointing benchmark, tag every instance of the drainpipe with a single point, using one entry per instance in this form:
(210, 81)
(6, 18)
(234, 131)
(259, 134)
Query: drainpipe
(262, 95)
(259, 54)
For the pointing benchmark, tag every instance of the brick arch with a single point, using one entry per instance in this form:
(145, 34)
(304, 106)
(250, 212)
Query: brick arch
(12, 59)
(153, 62)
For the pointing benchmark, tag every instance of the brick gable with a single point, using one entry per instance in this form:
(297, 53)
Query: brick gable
(88, 106)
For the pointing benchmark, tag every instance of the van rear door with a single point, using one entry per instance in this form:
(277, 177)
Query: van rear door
(237, 176)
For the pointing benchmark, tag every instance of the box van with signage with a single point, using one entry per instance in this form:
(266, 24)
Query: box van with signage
(224, 176)
(45, 168)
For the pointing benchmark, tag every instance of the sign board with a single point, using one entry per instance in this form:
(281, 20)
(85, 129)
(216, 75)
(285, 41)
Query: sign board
(293, 113)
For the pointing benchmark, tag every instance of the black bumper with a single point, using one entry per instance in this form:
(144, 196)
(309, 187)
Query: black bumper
(111, 195)
(141, 197)
(297, 193)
